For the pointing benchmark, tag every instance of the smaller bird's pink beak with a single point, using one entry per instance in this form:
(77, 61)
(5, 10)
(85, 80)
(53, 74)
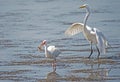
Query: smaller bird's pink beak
(40, 47)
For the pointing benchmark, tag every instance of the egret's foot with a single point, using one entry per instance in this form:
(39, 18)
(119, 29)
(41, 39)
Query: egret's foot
(90, 53)
(88, 56)
(98, 52)
(98, 57)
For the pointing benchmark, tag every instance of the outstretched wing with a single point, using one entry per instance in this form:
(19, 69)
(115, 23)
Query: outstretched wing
(75, 28)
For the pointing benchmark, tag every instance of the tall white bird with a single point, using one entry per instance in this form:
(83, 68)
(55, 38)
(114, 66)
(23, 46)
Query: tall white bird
(93, 35)
(50, 52)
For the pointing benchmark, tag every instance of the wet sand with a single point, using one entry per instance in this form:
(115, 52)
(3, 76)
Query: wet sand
(24, 24)
(74, 69)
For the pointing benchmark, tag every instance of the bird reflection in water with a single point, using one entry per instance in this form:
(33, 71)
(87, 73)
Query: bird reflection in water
(97, 72)
(52, 77)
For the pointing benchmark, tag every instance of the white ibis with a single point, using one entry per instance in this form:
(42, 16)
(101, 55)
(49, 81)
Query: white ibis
(50, 52)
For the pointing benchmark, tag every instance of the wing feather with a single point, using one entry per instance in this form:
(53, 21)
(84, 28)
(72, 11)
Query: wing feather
(54, 51)
(75, 28)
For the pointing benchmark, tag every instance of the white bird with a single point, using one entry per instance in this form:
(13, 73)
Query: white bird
(93, 35)
(50, 52)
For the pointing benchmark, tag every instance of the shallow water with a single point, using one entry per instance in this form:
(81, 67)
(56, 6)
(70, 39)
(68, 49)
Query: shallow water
(25, 23)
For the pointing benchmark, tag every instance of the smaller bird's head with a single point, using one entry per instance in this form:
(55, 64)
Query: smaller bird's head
(44, 42)
(84, 6)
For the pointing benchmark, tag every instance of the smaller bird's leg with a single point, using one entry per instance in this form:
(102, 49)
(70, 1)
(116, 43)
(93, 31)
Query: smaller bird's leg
(98, 52)
(54, 65)
(91, 50)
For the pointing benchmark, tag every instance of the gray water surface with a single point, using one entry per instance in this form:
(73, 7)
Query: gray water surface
(25, 23)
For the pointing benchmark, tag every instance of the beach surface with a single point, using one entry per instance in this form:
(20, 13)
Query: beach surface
(25, 23)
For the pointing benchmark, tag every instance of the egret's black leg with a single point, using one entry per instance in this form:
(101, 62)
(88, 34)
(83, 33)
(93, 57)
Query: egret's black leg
(91, 50)
(98, 52)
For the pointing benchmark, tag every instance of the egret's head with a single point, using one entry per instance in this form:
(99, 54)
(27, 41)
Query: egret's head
(44, 42)
(84, 6)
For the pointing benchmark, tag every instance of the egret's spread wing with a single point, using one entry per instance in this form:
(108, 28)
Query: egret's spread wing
(75, 28)
(101, 40)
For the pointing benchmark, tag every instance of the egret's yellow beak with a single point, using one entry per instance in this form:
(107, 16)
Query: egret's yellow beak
(83, 6)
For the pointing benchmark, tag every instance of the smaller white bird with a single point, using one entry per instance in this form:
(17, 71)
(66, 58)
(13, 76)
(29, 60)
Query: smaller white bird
(50, 52)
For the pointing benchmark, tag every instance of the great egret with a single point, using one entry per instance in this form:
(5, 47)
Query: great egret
(50, 52)
(93, 35)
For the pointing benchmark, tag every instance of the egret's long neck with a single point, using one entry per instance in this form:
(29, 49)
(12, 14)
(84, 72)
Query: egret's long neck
(86, 17)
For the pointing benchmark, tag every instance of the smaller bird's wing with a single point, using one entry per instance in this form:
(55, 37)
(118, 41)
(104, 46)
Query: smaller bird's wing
(75, 28)
(51, 48)
(54, 51)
